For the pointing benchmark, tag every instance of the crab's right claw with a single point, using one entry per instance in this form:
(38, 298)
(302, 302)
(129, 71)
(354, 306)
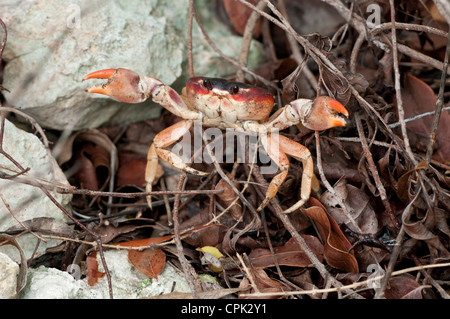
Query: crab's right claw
(124, 85)
(321, 114)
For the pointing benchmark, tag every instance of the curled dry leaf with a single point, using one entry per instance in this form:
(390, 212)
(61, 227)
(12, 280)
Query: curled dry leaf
(321, 42)
(94, 136)
(290, 254)
(402, 185)
(336, 245)
(93, 163)
(132, 169)
(94, 156)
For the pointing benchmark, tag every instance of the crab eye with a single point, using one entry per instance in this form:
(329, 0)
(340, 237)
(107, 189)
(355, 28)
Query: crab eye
(207, 84)
(233, 89)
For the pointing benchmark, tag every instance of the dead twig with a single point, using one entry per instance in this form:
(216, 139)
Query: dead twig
(374, 171)
(247, 40)
(188, 270)
(439, 105)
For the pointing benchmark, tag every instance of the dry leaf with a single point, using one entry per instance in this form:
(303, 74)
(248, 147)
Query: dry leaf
(92, 267)
(290, 254)
(92, 160)
(358, 203)
(93, 164)
(211, 257)
(238, 14)
(94, 136)
(264, 284)
(419, 98)
(336, 245)
(150, 261)
(403, 287)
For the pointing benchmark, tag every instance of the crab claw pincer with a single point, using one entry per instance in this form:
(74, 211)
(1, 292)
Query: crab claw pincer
(123, 85)
(322, 113)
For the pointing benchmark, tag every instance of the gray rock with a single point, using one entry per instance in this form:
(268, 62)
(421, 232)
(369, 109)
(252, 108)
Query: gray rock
(127, 282)
(9, 270)
(28, 202)
(52, 44)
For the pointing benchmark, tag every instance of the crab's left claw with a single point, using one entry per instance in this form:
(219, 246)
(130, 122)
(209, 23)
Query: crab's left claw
(321, 114)
(124, 85)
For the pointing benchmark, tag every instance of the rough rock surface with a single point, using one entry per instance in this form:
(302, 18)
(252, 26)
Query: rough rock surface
(8, 277)
(127, 282)
(27, 202)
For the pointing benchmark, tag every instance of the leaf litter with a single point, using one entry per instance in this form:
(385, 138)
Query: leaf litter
(345, 225)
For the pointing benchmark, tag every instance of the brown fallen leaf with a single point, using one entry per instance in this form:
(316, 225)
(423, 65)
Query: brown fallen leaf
(93, 164)
(92, 267)
(238, 15)
(131, 170)
(358, 203)
(402, 185)
(419, 98)
(89, 151)
(290, 254)
(150, 261)
(264, 284)
(94, 136)
(207, 235)
(403, 287)
(336, 245)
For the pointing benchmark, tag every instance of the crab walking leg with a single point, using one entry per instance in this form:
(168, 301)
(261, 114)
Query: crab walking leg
(163, 139)
(270, 143)
(302, 154)
(150, 172)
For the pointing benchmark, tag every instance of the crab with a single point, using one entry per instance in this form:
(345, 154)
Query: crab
(223, 104)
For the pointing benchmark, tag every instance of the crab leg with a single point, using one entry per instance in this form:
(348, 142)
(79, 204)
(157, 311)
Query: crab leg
(277, 146)
(164, 139)
(272, 147)
(302, 154)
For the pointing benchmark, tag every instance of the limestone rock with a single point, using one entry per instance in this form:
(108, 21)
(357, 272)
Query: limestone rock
(28, 202)
(9, 271)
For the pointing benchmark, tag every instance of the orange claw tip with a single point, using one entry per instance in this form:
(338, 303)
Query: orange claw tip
(102, 74)
(97, 89)
(338, 122)
(338, 107)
